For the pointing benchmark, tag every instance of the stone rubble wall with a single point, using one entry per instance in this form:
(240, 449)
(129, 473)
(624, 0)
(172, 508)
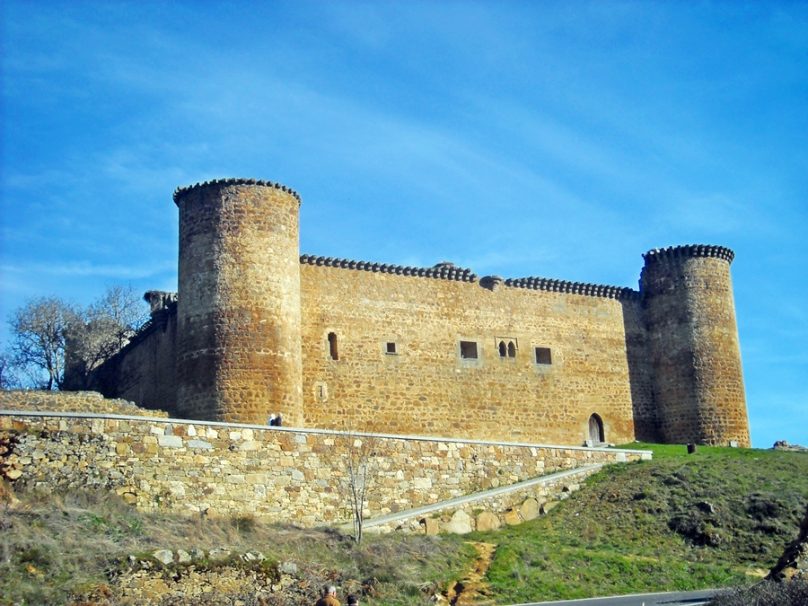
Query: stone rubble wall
(71, 401)
(598, 360)
(492, 512)
(279, 474)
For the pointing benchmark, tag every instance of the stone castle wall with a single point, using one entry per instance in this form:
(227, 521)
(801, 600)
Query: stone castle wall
(426, 387)
(344, 344)
(238, 349)
(145, 371)
(279, 474)
(693, 345)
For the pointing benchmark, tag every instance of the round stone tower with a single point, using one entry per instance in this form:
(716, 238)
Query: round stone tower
(239, 349)
(693, 345)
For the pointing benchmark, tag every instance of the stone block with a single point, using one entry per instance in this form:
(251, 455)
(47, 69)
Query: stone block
(512, 517)
(547, 507)
(460, 523)
(200, 444)
(487, 520)
(169, 441)
(430, 526)
(529, 509)
(164, 556)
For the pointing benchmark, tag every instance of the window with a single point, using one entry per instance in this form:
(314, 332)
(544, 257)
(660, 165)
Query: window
(543, 355)
(506, 347)
(390, 348)
(468, 350)
(332, 346)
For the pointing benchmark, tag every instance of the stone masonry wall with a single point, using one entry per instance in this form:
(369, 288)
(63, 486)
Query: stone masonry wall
(145, 372)
(279, 474)
(426, 387)
(238, 349)
(491, 512)
(693, 345)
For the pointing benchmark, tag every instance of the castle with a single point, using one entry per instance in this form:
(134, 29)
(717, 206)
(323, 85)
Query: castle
(257, 329)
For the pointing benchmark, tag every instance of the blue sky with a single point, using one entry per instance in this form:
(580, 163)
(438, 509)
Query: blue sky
(555, 139)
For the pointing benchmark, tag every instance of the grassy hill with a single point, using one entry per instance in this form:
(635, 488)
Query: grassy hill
(717, 517)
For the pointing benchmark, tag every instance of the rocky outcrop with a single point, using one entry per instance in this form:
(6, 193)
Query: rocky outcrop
(793, 564)
(784, 445)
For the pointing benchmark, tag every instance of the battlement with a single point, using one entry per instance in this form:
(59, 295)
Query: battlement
(441, 271)
(182, 191)
(673, 253)
(575, 288)
(448, 271)
(160, 300)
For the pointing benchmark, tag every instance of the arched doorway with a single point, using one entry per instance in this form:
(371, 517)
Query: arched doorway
(596, 433)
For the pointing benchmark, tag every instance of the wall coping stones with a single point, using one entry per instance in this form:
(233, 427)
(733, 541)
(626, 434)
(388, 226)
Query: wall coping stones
(182, 191)
(304, 430)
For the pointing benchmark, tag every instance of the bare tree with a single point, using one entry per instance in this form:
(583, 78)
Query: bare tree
(8, 378)
(50, 336)
(360, 456)
(39, 329)
(100, 331)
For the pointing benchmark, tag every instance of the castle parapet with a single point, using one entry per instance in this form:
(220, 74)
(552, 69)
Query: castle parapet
(441, 271)
(160, 300)
(182, 191)
(676, 253)
(575, 288)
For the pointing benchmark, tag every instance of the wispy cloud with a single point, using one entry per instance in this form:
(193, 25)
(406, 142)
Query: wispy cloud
(85, 269)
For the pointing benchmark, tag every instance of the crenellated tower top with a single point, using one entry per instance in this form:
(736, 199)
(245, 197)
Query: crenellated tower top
(182, 191)
(685, 251)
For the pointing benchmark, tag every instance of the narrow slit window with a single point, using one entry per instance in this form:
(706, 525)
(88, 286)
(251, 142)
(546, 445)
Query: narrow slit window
(468, 350)
(391, 348)
(502, 350)
(511, 350)
(543, 355)
(332, 346)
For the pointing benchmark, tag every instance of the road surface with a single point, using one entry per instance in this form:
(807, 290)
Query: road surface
(674, 598)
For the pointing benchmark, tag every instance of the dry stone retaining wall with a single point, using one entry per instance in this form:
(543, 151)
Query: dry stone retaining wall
(491, 512)
(279, 474)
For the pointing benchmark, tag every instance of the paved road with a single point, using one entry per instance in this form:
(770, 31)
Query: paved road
(675, 598)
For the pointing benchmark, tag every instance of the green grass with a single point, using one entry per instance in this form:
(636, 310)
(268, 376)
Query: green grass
(678, 522)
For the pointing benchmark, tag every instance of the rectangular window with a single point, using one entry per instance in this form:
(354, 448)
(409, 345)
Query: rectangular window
(390, 348)
(468, 350)
(543, 355)
(332, 346)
